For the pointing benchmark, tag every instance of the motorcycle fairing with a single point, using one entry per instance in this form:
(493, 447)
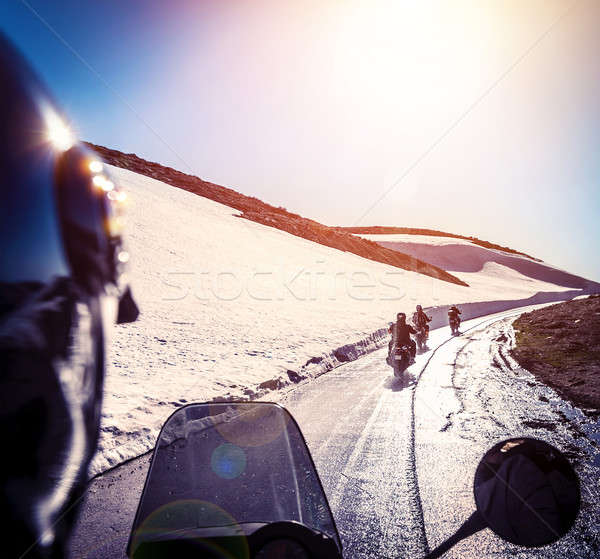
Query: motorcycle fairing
(226, 469)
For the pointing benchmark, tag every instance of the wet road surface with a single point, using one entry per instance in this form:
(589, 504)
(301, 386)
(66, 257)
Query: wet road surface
(472, 396)
(397, 456)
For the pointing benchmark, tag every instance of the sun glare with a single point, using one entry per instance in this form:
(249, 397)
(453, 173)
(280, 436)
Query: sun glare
(57, 131)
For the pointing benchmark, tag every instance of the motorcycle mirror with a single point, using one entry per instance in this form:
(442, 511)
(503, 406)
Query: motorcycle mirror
(526, 492)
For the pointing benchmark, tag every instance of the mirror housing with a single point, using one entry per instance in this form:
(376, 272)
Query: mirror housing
(526, 492)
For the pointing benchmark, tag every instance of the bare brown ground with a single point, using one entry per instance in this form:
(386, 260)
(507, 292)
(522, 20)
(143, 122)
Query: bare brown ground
(560, 345)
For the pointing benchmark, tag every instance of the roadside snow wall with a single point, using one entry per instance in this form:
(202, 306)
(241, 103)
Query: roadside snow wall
(439, 314)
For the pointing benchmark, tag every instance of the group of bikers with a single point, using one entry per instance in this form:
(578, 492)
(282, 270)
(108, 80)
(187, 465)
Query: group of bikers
(401, 331)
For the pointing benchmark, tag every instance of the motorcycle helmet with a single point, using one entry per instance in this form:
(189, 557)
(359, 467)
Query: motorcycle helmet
(61, 282)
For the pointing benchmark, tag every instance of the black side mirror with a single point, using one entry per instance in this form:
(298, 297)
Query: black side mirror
(128, 309)
(526, 492)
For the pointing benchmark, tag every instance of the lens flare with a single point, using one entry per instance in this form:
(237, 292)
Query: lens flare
(228, 461)
(252, 427)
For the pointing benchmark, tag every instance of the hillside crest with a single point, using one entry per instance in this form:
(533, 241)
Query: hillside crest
(253, 209)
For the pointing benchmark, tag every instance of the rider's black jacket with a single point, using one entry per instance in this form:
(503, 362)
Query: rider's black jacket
(403, 332)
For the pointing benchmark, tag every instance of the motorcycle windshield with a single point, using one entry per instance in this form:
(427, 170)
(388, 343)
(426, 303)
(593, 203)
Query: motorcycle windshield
(231, 465)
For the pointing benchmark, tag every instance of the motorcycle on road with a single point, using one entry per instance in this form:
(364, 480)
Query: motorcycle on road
(454, 322)
(400, 358)
(421, 337)
(236, 481)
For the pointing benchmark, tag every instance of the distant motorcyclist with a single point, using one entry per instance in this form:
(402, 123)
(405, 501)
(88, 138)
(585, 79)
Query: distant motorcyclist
(454, 319)
(401, 332)
(453, 313)
(420, 319)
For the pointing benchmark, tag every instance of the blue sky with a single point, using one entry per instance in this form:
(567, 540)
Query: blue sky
(323, 106)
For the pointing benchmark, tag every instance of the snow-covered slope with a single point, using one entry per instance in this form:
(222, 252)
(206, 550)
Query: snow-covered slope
(228, 305)
(464, 258)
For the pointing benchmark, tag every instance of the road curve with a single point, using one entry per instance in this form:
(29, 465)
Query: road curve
(396, 457)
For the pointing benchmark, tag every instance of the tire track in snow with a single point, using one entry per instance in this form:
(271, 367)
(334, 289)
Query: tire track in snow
(415, 502)
(449, 417)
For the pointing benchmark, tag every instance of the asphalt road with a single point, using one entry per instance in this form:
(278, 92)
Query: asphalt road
(397, 457)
